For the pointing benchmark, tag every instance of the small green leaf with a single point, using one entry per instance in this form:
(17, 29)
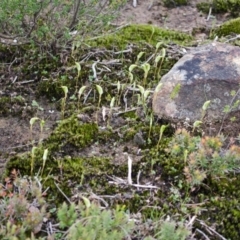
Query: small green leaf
(33, 151)
(197, 124)
(233, 119)
(118, 86)
(65, 90)
(146, 93)
(80, 92)
(112, 102)
(205, 105)
(146, 67)
(139, 55)
(236, 104)
(227, 109)
(42, 123)
(78, 66)
(130, 77)
(33, 120)
(159, 86)
(163, 53)
(99, 89)
(157, 59)
(158, 45)
(142, 90)
(86, 202)
(45, 154)
(233, 93)
(162, 129)
(132, 67)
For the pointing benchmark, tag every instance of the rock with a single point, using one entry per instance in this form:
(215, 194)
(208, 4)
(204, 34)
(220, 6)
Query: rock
(209, 72)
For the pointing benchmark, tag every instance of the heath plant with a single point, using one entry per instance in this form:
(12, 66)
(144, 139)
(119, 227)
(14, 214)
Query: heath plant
(23, 210)
(204, 157)
(88, 221)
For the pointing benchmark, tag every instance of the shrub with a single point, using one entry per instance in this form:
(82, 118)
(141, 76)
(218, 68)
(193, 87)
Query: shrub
(204, 157)
(49, 23)
(22, 209)
(91, 222)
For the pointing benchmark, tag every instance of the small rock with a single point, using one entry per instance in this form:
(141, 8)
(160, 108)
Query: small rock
(139, 140)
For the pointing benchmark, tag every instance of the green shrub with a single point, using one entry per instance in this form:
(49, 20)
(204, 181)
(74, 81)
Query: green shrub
(220, 6)
(204, 157)
(22, 210)
(172, 230)
(174, 3)
(92, 222)
(50, 23)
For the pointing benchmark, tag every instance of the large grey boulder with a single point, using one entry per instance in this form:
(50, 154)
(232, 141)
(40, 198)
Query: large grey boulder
(209, 72)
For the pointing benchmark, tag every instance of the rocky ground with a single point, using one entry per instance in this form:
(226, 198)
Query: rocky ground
(92, 147)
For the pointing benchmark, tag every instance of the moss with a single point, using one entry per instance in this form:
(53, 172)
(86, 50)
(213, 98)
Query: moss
(131, 130)
(52, 88)
(140, 34)
(229, 27)
(11, 105)
(175, 3)
(221, 6)
(72, 132)
(223, 206)
(89, 171)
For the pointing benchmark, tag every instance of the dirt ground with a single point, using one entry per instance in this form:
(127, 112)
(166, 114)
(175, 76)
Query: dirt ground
(182, 18)
(14, 131)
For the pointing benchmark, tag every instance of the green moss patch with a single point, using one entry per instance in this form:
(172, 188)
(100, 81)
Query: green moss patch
(72, 132)
(221, 6)
(228, 28)
(140, 34)
(175, 3)
(11, 105)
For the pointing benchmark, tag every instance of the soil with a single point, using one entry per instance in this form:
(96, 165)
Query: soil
(182, 18)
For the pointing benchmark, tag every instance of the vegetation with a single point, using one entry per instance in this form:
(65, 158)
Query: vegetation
(175, 3)
(221, 6)
(228, 28)
(106, 168)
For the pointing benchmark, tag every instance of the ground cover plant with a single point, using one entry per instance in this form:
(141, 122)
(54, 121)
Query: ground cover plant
(97, 164)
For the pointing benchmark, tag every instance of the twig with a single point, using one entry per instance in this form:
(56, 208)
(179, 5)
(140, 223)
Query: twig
(138, 177)
(211, 230)
(27, 81)
(209, 14)
(123, 112)
(129, 170)
(201, 232)
(190, 223)
(232, 39)
(93, 195)
(14, 80)
(62, 192)
(119, 181)
(134, 3)
(123, 51)
(76, 11)
(94, 71)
